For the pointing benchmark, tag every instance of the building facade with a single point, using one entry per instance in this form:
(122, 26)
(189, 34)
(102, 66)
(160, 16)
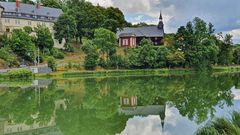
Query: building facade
(131, 37)
(16, 15)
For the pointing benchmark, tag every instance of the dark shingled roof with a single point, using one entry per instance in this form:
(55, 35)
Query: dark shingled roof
(147, 31)
(31, 9)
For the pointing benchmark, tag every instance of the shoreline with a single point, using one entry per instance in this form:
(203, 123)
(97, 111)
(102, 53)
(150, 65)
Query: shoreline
(135, 72)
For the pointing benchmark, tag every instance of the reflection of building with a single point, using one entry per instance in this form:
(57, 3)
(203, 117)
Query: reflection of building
(128, 101)
(43, 83)
(8, 127)
(128, 106)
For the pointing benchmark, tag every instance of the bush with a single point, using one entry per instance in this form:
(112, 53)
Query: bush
(52, 63)
(56, 53)
(102, 63)
(10, 58)
(69, 47)
(116, 62)
(20, 73)
(46, 51)
(91, 61)
(70, 65)
(222, 126)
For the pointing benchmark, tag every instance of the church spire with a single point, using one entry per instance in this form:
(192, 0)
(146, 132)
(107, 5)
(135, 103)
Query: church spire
(160, 24)
(160, 17)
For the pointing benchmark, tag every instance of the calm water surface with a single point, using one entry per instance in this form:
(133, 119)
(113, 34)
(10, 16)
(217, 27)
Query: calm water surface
(143, 105)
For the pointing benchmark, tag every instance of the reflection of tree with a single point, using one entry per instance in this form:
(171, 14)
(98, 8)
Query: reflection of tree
(200, 95)
(98, 109)
(19, 106)
(93, 103)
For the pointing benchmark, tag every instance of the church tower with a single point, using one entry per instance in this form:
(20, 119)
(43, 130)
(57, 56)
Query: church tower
(160, 24)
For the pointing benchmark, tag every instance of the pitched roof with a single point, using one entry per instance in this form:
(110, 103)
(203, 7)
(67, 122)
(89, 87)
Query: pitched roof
(147, 31)
(31, 9)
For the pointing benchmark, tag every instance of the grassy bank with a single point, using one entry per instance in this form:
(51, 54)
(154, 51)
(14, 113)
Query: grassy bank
(104, 73)
(226, 69)
(109, 73)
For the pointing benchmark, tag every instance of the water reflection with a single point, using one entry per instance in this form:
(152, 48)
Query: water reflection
(129, 106)
(120, 105)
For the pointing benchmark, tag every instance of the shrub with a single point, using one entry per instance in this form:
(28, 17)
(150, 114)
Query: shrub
(70, 65)
(52, 63)
(69, 47)
(20, 73)
(56, 53)
(10, 58)
(91, 61)
(222, 126)
(46, 51)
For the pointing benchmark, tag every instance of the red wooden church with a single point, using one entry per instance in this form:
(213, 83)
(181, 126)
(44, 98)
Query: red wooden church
(131, 37)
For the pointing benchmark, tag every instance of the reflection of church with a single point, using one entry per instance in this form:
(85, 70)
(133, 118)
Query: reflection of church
(129, 106)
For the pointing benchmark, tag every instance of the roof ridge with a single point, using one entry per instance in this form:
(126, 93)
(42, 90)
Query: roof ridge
(30, 5)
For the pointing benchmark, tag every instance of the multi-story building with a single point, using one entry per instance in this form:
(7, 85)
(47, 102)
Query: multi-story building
(17, 15)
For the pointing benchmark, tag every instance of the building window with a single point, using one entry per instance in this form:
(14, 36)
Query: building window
(156, 38)
(17, 21)
(29, 23)
(125, 42)
(7, 20)
(126, 101)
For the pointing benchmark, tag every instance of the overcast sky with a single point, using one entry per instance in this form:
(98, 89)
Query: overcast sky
(224, 14)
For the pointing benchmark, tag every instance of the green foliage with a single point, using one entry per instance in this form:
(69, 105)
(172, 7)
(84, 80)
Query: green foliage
(89, 17)
(56, 53)
(91, 58)
(147, 54)
(236, 55)
(196, 41)
(161, 58)
(52, 63)
(106, 41)
(222, 126)
(52, 3)
(22, 45)
(9, 57)
(144, 56)
(20, 73)
(4, 41)
(65, 28)
(91, 61)
(88, 47)
(44, 37)
(116, 62)
(176, 59)
(225, 56)
(28, 29)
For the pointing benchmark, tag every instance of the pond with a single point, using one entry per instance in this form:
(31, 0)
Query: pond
(137, 105)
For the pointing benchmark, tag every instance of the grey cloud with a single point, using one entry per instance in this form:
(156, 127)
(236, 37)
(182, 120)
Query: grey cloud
(224, 14)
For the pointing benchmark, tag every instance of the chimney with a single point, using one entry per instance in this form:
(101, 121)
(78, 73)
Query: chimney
(17, 4)
(38, 4)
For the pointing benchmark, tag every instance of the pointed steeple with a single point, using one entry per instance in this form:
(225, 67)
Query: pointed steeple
(162, 116)
(160, 17)
(160, 24)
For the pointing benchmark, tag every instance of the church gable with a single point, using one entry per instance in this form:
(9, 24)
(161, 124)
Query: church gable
(155, 33)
